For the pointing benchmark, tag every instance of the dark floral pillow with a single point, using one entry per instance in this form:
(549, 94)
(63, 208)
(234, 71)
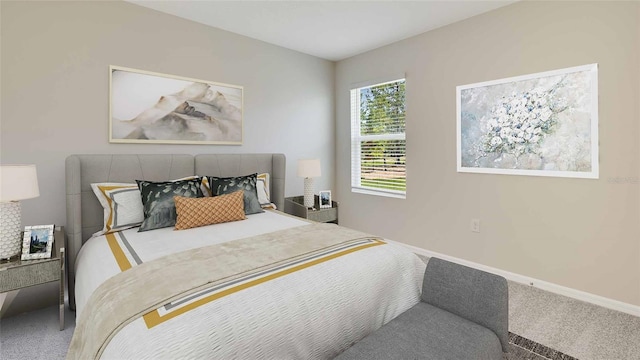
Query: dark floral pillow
(158, 204)
(220, 186)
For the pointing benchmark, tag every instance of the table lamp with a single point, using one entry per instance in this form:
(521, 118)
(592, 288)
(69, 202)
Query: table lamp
(17, 182)
(308, 169)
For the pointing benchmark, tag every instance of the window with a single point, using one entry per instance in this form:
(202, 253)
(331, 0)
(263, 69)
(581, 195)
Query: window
(378, 143)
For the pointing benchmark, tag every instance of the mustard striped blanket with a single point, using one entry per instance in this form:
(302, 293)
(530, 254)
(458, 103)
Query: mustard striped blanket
(161, 290)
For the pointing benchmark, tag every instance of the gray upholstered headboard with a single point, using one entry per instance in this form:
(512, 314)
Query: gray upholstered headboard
(85, 214)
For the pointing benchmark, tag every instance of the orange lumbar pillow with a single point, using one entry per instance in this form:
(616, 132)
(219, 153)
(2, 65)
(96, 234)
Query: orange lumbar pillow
(195, 212)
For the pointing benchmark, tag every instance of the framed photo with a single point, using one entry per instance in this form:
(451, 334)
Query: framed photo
(153, 108)
(37, 242)
(325, 199)
(543, 124)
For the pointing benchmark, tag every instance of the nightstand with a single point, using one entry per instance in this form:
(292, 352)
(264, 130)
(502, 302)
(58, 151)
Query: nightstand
(295, 206)
(19, 274)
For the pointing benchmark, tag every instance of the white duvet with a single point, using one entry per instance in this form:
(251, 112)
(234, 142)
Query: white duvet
(314, 313)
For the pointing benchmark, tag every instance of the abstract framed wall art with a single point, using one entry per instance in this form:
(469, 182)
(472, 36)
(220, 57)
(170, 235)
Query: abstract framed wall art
(147, 107)
(543, 124)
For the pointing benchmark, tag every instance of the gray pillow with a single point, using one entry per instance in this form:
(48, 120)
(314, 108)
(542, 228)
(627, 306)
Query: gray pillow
(220, 186)
(157, 200)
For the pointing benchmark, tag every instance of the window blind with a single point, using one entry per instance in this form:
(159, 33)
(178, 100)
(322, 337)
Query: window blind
(378, 142)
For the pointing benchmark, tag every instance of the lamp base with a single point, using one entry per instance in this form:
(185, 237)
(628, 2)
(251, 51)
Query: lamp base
(10, 227)
(308, 193)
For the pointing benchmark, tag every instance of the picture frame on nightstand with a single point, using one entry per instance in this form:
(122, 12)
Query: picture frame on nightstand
(325, 199)
(37, 242)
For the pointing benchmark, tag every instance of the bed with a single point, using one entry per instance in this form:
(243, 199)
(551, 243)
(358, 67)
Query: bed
(270, 286)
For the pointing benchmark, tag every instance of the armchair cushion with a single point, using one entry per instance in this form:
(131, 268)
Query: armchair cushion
(427, 332)
(472, 294)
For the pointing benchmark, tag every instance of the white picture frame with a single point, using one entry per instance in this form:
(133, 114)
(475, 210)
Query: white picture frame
(324, 199)
(37, 242)
(542, 124)
(154, 108)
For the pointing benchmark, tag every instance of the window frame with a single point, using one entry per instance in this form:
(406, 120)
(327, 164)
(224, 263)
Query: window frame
(358, 138)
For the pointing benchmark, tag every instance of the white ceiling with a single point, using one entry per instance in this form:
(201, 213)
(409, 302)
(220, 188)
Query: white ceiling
(332, 30)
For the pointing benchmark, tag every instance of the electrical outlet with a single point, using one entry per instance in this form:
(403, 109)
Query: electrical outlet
(475, 225)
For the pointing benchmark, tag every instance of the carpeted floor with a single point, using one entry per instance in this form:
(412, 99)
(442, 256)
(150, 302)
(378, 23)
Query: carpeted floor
(543, 326)
(36, 335)
(576, 328)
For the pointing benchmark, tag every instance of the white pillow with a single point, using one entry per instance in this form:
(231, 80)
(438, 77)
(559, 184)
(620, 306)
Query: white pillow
(262, 187)
(204, 186)
(122, 206)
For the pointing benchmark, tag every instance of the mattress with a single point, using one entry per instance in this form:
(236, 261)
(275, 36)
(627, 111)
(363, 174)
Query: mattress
(314, 313)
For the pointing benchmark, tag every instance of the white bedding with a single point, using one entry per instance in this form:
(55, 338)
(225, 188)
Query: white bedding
(313, 313)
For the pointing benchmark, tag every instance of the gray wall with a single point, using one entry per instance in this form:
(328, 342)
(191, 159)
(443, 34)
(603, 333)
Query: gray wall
(583, 234)
(55, 83)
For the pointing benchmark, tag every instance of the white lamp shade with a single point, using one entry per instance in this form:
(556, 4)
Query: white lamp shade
(309, 168)
(18, 182)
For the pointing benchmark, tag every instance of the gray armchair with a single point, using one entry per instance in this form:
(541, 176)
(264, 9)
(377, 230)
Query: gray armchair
(463, 314)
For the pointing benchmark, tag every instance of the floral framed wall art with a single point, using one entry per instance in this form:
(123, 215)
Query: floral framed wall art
(543, 124)
(147, 107)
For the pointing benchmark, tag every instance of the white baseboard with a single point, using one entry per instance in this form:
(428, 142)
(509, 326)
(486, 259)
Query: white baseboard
(544, 285)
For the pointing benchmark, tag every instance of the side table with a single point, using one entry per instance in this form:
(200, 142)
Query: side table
(19, 274)
(295, 206)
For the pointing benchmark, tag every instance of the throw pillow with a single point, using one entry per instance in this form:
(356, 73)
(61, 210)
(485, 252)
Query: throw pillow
(263, 189)
(121, 206)
(157, 200)
(220, 186)
(195, 212)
